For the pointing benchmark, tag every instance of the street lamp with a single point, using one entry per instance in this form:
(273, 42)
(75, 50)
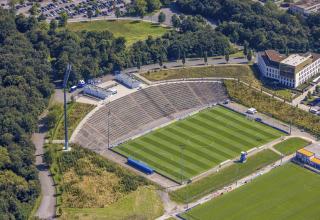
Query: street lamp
(108, 126)
(65, 80)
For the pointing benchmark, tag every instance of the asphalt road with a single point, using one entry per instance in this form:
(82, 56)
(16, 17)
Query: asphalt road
(47, 207)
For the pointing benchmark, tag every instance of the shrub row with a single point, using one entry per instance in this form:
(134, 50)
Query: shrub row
(277, 109)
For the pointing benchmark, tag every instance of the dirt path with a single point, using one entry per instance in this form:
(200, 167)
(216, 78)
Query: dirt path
(47, 208)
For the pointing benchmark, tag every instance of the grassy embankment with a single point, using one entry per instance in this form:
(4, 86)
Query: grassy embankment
(90, 187)
(225, 176)
(291, 145)
(75, 112)
(268, 105)
(287, 192)
(132, 31)
(246, 73)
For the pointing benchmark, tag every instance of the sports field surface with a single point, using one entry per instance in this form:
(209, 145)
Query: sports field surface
(132, 31)
(288, 192)
(291, 145)
(224, 177)
(191, 146)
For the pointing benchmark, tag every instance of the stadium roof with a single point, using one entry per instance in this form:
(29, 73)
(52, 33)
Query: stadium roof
(315, 160)
(306, 152)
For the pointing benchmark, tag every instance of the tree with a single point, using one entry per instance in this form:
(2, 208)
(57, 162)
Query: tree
(160, 62)
(117, 13)
(4, 157)
(97, 12)
(183, 58)
(25, 89)
(63, 19)
(205, 57)
(90, 13)
(286, 50)
(317, 88)
(139, 63)
(227, 57)
(53, 26)
(309, 95)
(42, 17)
(153, 5)
(245, 47)
(245, 21)
(249, 56)
(34, 9)
(178, 53)
(12, 4)
(161, 17)
(140, 7)
(175, 21)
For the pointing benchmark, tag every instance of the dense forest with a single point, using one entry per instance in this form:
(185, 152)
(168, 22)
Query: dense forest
(24, 90)
(94, 54)
(193, 38)
(263, 27)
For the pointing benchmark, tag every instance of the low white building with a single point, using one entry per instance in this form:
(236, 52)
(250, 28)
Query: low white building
(292, 70)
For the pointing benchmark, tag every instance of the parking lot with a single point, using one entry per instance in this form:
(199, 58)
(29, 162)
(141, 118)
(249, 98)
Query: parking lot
(74, 9)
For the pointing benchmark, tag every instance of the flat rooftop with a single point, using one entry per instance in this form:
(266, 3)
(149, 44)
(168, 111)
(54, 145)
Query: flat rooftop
(314, 148)
(294, 60)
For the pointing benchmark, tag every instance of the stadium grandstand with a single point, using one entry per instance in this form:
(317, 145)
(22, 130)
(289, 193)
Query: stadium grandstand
(146, 109)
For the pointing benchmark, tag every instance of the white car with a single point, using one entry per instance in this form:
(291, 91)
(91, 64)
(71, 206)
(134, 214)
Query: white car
(252, 111)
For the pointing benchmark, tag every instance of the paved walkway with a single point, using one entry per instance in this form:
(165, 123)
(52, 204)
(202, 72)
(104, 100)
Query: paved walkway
(47, 207)
(190, 62)
(297, 100)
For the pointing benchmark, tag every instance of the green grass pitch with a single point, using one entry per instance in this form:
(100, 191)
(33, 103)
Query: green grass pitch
(288, 192)
(291, 145)
(209, 138)
(225, 176)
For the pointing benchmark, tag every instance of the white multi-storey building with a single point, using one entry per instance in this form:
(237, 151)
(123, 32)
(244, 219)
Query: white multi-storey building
(291, 70)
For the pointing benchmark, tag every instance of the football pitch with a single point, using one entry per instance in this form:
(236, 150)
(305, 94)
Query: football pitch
(191, 146)
(288, 192)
